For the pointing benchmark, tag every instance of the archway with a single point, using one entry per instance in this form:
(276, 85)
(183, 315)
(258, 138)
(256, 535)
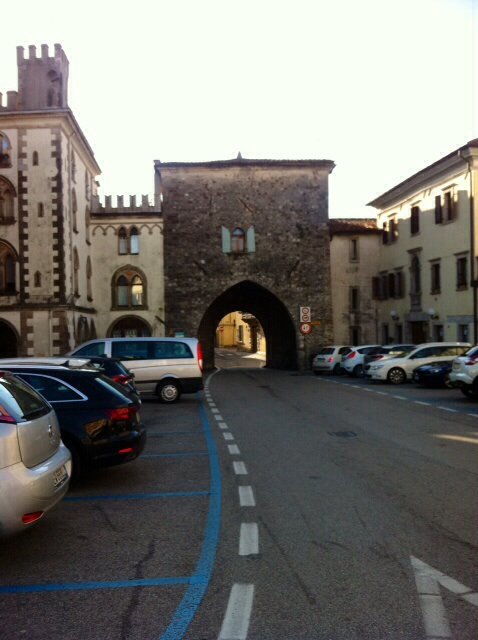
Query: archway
(8, 341)
(129, 327)
(269, 311)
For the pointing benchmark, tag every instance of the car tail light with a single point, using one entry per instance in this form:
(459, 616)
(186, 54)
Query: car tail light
(125, 451)
(200, 356)
(122, 378)
(377, 356)
(5, 416)
(351, 355)
(122, 414)
(472, 360)
(330, 359)
(29, 518)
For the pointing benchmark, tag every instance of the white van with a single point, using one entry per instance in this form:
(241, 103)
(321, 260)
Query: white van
(166, 367)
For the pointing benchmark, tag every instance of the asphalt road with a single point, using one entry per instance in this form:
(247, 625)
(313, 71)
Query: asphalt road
(274, 506)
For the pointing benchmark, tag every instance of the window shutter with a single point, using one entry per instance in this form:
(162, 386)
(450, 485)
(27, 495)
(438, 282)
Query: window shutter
(226, 240)
(251, 240)
(438, 210)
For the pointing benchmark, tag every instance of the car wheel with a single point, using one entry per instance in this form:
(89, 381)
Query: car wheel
(337, 370)
(396, 376)
(358, 371)
(469, 392)
(168, 391)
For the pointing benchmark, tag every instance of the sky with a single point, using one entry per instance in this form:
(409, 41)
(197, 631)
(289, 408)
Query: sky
(381, 88)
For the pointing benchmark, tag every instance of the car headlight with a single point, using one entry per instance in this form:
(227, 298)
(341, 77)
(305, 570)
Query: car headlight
(377, 366)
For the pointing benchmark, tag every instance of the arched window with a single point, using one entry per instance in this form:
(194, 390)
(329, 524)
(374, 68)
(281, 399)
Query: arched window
(134, 241)
(7, 270)
(122, 241)
(238, 239)
(5, 152)
(6, 201)
(35, 158)
(129, 289)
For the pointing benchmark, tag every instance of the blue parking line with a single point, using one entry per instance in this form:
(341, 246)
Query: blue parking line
(83, 586)
(160, 434)
(138, 496)
(189, 605)
(187, 454)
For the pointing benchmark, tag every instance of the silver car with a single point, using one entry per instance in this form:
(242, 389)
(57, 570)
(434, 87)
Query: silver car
(329, 358)
(35, 466)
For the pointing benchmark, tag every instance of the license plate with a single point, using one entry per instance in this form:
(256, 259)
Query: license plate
(59, 476)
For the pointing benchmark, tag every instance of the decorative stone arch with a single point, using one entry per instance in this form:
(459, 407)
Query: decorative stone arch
(269, 310)
(8, 268)
(127, 324)
(10, 341)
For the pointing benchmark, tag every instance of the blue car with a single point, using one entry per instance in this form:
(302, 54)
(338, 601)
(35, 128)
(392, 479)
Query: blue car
(433, 374)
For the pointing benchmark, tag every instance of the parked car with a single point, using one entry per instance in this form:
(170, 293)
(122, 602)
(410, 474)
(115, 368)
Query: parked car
(328, 359)
(35, 466)
(464, 373)
(387, 351)
(353, 362)
(165, 367)
(113, 368)
(399, 370)
(99, 421)
(434, 374)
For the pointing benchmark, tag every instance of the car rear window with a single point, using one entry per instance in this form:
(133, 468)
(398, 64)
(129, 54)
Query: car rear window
(113, 388)
(326, 351)
(20, 400)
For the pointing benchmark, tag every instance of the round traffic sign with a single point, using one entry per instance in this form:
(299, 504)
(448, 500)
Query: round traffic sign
(305, 328)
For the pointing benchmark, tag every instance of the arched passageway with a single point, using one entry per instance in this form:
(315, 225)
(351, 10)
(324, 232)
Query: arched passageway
(8, 341)
(129, 327)
(269, 311)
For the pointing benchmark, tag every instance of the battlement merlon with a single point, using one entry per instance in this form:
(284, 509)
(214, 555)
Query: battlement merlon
(59, 54)
(122, 209)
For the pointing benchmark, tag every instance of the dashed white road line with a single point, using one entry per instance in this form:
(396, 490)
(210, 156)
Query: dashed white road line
(426, 404)
(219, 418)
(447, 409)
(249, 539)
(239, 468)
(400, 397)
(227, 435)
(233, 449)
(214, 410)
(246, 497)
(382, 393)
(222, 425)
(238, 613)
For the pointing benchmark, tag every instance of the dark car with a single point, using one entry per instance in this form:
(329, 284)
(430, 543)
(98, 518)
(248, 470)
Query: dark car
(113, 368)
(99, 422)
(433, 374)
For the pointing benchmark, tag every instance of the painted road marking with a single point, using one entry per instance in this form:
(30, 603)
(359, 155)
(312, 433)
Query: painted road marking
(382, 393)
(239, 468)
(222, 425)
(428, 581)
(400, 397)
(246, 497)
(426, 404)
(214, 410)
(238, 613)
(233, 449)
(249, 539)
(219, 418)
(447, 409)
(227, 435)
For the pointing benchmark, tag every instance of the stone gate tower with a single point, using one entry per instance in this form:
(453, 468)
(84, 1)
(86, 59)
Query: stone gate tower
(247, 235)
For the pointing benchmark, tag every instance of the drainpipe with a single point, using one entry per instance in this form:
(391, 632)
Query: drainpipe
(469, 161)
